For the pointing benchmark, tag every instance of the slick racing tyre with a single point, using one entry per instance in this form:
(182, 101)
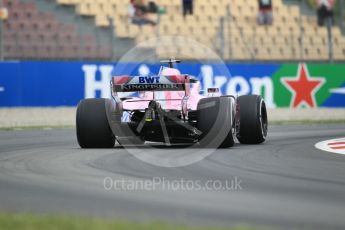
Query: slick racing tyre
(253, 119)
(214, 120)
(92, 125)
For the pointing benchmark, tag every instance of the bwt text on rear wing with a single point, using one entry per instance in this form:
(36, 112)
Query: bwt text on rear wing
(151, 83)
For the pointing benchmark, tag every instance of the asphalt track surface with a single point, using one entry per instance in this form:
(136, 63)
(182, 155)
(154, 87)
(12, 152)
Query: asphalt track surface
(285, 182)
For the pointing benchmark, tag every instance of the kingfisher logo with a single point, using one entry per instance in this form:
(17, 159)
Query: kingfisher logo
(149, 80)
(144, 87)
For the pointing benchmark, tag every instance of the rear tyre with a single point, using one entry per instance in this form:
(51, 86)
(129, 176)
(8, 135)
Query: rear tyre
(214, 117)
(93, 130)
(253, 119)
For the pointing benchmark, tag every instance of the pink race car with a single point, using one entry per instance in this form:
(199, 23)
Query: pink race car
(168, 108)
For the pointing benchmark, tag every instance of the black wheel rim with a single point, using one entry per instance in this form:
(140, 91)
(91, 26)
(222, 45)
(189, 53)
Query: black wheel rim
(263, 119)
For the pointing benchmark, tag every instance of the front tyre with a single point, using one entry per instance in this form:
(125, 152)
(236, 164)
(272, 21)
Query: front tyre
(253, 119)
(93, 130)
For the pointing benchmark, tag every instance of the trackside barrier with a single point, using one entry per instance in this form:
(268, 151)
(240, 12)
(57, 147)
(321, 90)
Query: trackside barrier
(30, 83)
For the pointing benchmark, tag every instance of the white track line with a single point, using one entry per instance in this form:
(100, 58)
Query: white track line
(334, 145)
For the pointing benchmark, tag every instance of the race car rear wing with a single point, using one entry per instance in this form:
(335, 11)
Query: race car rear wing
(151, 83)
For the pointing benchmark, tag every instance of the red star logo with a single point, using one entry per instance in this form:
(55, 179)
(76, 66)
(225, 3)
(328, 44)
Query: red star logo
(303, 87)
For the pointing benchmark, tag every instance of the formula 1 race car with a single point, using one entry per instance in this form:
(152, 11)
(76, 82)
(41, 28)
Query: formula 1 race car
(168, 108)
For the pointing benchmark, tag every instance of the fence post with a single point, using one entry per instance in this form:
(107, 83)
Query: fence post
(1, 41)
(1, 35)
(79, 22)
(300, 39)
(330, 39)
(229, 22)
(222, 38)
(112, 34)
(342, 8)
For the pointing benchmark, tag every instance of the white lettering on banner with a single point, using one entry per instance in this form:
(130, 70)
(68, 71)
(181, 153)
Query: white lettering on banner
(260, 84)
(144, 70)
(106, 71)
(89, 79)
(220, 81)
(207, 75)
(92, 85)
(238, 81)
(237, 85)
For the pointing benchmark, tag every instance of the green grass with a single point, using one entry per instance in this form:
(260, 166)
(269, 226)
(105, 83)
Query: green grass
(25, 221)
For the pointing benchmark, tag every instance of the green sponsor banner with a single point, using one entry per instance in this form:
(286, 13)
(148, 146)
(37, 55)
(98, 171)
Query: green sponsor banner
(309, 85)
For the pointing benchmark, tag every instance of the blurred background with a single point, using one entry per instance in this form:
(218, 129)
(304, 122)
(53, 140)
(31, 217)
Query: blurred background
(53, 53)
(235, 30)
(67, 50)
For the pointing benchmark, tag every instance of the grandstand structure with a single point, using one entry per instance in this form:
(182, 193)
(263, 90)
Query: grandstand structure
(293, 36)
(33, 34)
(226, 26)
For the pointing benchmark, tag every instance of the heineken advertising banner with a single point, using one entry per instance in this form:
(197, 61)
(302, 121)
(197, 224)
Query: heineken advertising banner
(65, 83)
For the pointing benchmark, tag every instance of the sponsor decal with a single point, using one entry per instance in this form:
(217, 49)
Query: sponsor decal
(303, 87)
(338, 91)
(149, 80)
(309, 85)
(148, 87)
